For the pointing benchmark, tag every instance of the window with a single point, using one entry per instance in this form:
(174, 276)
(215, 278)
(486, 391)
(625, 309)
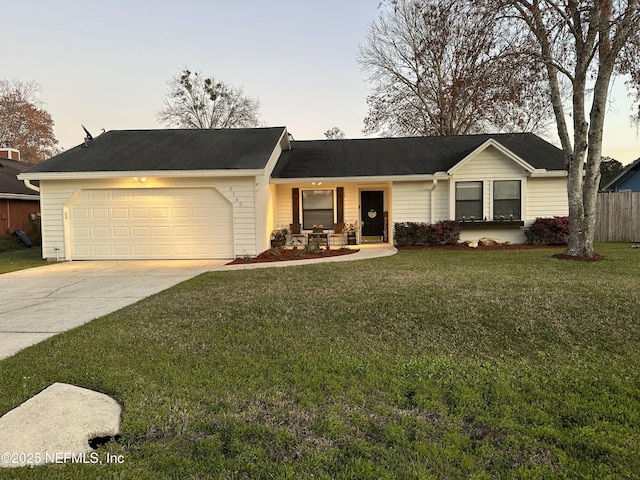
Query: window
(506, 200)
(317, 209)
(469, 200)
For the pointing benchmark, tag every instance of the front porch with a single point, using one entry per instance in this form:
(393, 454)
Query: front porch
(333, 214)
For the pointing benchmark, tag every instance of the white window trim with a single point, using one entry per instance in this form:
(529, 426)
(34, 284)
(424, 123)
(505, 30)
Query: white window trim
(319, 188)
(487, 199)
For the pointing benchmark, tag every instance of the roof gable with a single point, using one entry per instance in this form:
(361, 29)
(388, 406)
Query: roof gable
(491, 143)
(623, 175)
(376, 157)
(169, 149)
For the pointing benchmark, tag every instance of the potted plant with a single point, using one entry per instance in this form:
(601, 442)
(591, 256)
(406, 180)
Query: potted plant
(279, 237)
(350, 229)
(318, 229)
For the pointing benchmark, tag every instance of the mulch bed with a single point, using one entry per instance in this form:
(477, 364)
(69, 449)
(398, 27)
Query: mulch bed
(282, 254)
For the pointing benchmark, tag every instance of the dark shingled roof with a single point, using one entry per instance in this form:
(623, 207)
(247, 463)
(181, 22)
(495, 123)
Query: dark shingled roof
(623, 175)
(149, 150)
(9, 169)
(404, 156)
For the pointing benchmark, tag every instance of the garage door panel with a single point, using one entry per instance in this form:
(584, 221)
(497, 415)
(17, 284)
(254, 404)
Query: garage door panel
(121, 232)
(141, 232)
(101, 232)
(122, 250)
(160, 212)
(82, 232)
(182, 231)
(140, 213)
(181, 212)
(100, 213)
(120, 213)
(102, 250)
(161, 250)
(97, 195)
(164, 231)
(80, 213)
(151, 223)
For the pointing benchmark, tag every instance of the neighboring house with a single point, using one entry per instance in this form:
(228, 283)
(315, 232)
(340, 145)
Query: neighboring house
(627, 181)
(19, 205)
(219, 193)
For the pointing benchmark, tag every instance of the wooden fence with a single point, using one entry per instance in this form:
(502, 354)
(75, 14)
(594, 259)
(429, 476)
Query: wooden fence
(618, 217)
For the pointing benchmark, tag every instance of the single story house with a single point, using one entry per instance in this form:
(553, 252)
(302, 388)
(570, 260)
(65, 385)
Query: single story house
(142, 194)
(19, 205)
(628, 180)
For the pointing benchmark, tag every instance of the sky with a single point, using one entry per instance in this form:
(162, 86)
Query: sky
(105, 64)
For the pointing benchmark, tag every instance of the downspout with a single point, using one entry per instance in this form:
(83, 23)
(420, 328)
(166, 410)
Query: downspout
(28, 184)
(431, 202)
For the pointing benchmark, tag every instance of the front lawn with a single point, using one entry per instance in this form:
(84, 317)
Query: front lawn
(427, 364)
(20, 258)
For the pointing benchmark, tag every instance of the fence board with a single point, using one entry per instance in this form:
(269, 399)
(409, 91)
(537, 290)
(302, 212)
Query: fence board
(618, 217)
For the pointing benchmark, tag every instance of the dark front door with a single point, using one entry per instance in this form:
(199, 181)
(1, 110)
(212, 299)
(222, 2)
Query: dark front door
(372, 218)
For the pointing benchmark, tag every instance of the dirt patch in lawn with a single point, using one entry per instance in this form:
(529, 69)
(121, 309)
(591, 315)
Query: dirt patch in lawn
(282, 254)
(578, 258)
(464, 246)
(524, 246)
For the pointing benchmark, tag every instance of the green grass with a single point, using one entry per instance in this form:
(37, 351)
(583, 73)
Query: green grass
(14, 257)
(428, 364)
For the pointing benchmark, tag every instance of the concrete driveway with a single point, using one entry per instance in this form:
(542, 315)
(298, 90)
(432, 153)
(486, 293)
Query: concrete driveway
(38, 303)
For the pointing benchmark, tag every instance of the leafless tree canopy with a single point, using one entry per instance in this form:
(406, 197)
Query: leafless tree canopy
(441, 67)
(585, 43)
(334, 133)
(24, 124)
(194, 101)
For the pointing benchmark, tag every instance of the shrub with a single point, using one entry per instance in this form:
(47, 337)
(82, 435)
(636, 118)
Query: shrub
(549, 231)
(444, 232)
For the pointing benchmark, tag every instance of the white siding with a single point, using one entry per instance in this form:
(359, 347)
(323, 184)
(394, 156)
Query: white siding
(546, 197)
(441, 201)
(239, 191)
(490, 163)
(412, 202)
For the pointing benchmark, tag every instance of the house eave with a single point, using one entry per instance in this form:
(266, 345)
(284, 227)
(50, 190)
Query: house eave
(362, 179)
(139, 173)
(19, 196)
(539, 173)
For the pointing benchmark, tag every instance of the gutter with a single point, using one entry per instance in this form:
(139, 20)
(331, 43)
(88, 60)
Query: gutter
(31, 186)
(231, 172)
(19, 196)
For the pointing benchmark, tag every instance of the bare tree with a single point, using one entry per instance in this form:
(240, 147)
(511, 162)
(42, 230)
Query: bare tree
(24, 124)
(334, 133)
(440, 67)
(194, 101)
(584, 42)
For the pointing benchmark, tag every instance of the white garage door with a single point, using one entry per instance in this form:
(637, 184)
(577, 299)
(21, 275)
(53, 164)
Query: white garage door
(150, 223)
